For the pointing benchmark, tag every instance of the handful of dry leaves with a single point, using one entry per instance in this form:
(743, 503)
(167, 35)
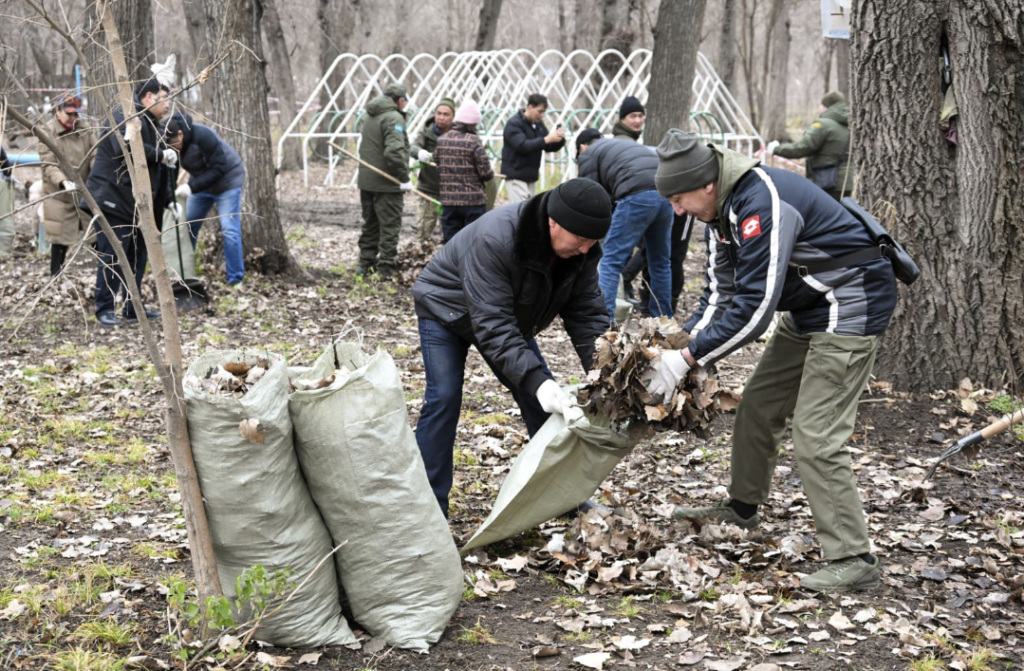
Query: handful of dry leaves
(616, 387)
(413, 258)
(231, 379)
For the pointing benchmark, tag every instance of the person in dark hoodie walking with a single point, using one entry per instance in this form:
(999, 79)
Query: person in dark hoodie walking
(495, 286)
(464, 170)
(111, 186)
(216, 177)
(526, 138)
(385, 146)
(826, 146)
(423, 150)
(773, 242)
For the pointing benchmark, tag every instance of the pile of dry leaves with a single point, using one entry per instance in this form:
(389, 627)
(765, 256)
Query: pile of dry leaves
(230, 379)
(413, 257)
(616, 385)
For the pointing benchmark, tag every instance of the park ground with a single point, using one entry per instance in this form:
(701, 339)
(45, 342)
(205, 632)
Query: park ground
(91, 530)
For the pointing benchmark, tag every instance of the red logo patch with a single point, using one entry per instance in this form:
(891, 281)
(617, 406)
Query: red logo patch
(752, 227)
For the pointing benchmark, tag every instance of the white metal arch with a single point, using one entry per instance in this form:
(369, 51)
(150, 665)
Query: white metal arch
(582, 89)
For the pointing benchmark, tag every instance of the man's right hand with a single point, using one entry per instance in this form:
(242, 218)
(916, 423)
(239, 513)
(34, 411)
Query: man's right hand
(169, 158)
(68, 185)
(183, 191)
(552, 399)
(425, 156)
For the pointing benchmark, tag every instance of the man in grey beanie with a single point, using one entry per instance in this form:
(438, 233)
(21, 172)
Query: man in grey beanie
(494, 286)
(775, 243)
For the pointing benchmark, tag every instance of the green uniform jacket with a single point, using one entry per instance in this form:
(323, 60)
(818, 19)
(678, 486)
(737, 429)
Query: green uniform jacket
(385, 145)
(826, 143)
(430, 181)
(620, 131)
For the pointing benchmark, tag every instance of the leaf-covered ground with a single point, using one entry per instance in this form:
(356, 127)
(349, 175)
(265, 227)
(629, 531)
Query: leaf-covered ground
(91, 527)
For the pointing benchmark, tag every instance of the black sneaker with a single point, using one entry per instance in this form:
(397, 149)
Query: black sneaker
(107, 319)
(132, 318)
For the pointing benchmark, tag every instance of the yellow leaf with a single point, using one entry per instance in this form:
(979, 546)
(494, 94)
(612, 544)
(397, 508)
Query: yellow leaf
(251, 430)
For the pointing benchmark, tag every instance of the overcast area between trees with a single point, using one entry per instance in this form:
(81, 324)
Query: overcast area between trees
(107, 554)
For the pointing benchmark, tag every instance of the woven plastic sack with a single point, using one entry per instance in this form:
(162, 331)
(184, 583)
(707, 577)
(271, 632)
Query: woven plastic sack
(177, 246)
(258, 506)
(561, 466)
(399, 568)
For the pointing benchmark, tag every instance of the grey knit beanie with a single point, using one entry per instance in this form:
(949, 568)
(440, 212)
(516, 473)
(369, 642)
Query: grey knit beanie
(684, 163)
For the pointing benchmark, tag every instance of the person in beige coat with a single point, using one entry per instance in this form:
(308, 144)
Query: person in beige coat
(62, 218)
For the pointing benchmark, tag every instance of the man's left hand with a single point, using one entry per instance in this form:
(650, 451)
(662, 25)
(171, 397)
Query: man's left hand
(770, 149)
(175, 209)
(666, 372)
(552, 399)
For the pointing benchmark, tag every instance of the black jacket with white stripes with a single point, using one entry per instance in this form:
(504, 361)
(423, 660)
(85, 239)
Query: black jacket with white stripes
(771, 222)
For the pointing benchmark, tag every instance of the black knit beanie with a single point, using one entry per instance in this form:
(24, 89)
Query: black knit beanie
(630, 105)
(581, 207)
(586, 136)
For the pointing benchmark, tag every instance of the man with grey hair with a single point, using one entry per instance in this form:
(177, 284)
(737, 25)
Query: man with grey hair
(775, 243)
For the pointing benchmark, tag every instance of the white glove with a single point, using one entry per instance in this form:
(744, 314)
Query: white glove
(405, 186)
(425, 156)
(176, 209)
(552, 398)
(169, 158)
(183, 191)
(665, 373)
(68, 185)
(770, 149)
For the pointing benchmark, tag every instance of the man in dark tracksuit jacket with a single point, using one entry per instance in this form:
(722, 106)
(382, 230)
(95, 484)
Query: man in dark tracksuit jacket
(495, 286)
(216, 177)
(111, 186)
(626, 171)
(767, 231)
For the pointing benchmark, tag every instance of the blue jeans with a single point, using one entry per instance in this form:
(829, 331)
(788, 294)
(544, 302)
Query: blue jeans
(444, 361)
(640, 215)
(229, 211)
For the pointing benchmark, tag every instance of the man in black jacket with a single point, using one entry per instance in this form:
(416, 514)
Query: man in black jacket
(496, 285)
(110, 184)
(526, 139)
(216, 176)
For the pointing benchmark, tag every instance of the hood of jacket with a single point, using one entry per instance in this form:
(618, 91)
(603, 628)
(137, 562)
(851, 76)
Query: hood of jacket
(381, 105)
(620, 129)
(732, 165)
(840, 113)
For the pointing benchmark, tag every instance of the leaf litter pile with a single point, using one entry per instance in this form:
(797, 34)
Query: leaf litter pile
(616, 386)
(413, 257)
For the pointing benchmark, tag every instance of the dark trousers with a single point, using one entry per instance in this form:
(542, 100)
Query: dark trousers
(638, 262)
(444, 361)
(454, 218)
(58, 253)
(109, 280)
(382, 221)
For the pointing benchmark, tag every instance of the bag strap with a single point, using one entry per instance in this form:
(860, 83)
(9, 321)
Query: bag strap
(845, 261)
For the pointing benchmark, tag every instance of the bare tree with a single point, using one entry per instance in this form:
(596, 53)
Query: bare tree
(487, 28)
(240, 94)
(727, 44)
(282, 82)
(774, 123)
(958, 208)
(133, 18)
(336, 20)
(673, 64)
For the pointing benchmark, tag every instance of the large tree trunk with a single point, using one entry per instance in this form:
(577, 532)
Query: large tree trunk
(673, 64)
(842, 49)
(240, 97)
(774, 127)
(957, 209)
(283, 85)
(134, 20)
(726, 44)
(487, 29)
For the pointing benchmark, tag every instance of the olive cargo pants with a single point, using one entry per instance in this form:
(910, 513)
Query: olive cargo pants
(818, 379)
(382, 221)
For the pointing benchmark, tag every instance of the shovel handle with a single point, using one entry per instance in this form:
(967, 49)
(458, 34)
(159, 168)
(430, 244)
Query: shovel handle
(381, 172)
(1002, 424)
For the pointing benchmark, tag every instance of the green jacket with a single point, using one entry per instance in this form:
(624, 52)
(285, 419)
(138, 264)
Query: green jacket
(826, 143)
(621, 131)
(430, 181)
(385, 145)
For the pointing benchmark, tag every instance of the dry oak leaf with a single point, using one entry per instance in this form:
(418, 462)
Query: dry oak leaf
(593, 660)
(271, 660)
(251, 430)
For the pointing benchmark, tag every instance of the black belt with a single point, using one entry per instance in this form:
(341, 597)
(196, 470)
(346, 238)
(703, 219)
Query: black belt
(846, 261)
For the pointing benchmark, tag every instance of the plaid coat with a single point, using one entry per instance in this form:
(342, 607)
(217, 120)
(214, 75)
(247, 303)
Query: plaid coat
(463, 167)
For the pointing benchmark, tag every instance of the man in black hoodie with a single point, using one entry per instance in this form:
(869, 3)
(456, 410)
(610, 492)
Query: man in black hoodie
(495, 286)
(216, 176)
(110, 184)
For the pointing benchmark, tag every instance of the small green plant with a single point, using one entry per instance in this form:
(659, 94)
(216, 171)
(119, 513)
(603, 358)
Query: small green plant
(83, 659)
(478, 635)
(927, 663)
(627, 608)
(568, 602)
(468, 593)
(577, 636)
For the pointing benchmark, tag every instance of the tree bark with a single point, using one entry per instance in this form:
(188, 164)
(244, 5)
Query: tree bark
(726, 44)
(336, 20)
(774, 127)
(132, 17)
(673, 64)
(826, 65)
(957, 209)
(282, 82)
(842, 49)
(487, 29)
(240, 98)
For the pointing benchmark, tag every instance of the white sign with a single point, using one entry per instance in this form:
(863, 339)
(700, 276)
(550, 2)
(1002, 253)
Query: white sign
(835, 18)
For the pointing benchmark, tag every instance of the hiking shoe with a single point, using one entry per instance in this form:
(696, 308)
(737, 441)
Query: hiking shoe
(844, 575)
(717, 514)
